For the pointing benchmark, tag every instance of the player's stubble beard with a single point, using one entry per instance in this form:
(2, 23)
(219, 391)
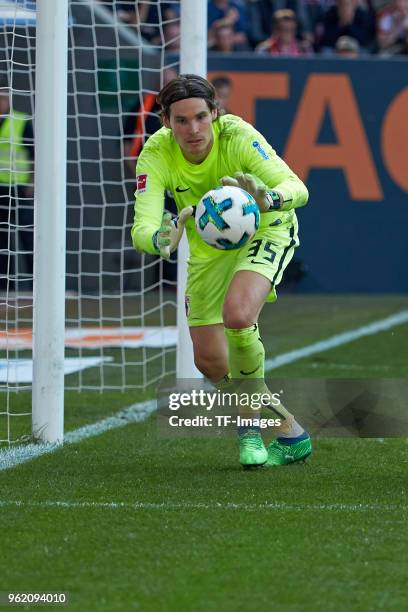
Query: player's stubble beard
(196, 157)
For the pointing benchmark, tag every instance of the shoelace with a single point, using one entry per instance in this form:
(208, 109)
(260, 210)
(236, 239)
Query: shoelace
(252, 439)
(280, 446)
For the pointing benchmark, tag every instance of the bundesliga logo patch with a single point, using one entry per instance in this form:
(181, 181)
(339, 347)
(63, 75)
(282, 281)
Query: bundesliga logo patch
(258, 147)
(141, 182)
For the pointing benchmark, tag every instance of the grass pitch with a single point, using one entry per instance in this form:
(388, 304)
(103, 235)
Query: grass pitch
(132, 521)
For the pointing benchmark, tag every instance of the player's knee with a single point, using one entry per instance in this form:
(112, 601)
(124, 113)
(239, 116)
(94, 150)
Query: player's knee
(237, 317)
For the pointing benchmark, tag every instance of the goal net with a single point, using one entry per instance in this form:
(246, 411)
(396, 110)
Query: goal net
(120, 305)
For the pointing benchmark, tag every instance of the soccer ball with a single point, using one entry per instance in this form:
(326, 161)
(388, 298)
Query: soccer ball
(227, 217)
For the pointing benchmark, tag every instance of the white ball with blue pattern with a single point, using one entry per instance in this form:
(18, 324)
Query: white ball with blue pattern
(227, 218)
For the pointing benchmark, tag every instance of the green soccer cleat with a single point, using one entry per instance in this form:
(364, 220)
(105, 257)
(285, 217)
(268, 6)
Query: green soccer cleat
(252, 451)
(284, 454)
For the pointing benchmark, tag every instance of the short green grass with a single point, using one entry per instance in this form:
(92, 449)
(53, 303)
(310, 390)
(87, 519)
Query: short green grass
(195, 532)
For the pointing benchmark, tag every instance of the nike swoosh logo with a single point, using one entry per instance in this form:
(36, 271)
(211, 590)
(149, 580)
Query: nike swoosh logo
(180, 189)
(258, 262)
(251, 372)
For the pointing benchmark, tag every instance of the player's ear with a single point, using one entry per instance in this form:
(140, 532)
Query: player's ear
(214, 114)
(166, 121)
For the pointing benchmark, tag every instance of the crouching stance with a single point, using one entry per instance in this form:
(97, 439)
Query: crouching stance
(195, 151)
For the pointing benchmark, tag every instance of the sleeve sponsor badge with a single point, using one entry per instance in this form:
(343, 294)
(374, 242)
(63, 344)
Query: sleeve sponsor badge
(141, 182)
(258, 147)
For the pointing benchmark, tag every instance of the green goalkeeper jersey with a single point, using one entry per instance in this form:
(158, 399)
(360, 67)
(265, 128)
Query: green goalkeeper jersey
(237, 147)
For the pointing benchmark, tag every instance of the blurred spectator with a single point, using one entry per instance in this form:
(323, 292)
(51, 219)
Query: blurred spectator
(259, 15)
(223, 89)
(283, 40)
(346, 46)
(222, 38)
(171, 32)
(312, 12)
(392, 21)
(232, 12)
(147, 14)
(144, 15)
(16, 191)
(126, 11)
(142, 121)
(400, 47)
(346, 18)
(171, 10)
(308, 13)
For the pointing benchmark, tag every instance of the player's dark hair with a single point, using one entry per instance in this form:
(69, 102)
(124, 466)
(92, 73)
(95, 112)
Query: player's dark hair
(187, 86)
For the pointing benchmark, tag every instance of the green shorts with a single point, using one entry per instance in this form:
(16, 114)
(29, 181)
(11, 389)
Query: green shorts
(268, 253)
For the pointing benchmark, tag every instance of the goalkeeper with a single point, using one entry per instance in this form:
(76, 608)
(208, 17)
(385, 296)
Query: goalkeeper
(195, 151)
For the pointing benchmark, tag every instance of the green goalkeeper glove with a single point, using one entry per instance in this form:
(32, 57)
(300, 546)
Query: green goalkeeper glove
(266, 199)
(167, 238)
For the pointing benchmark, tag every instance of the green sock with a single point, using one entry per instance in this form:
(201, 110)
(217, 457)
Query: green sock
(247, 361)
(246, 352)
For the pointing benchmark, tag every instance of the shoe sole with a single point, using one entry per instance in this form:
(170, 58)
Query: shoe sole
(300, 460)
(252, 466)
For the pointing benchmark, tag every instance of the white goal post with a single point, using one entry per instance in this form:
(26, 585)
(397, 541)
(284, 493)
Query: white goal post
(50, 220)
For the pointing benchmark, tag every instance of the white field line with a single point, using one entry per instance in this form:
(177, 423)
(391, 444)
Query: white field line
(144, 505)
(13, 456)
(346, 366)
(324, 345)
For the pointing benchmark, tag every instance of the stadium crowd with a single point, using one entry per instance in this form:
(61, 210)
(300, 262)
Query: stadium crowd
(349, 28)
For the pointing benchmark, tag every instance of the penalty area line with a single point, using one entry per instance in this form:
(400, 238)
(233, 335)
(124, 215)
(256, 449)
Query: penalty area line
(136, 413)
(144, 505)
(398, 318)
